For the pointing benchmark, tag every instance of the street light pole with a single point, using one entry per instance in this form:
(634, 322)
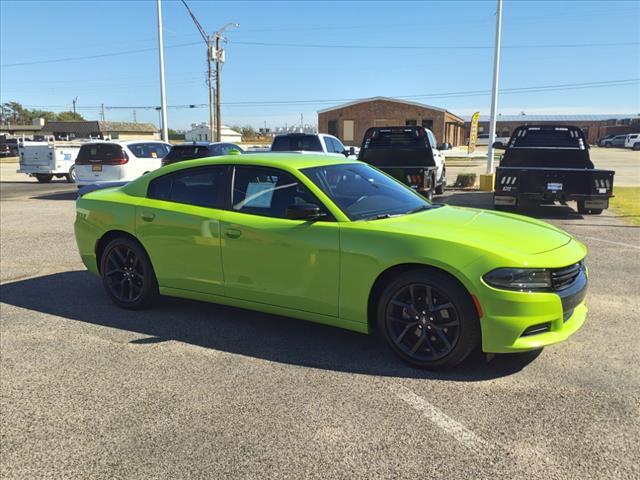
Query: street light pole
(494, 90)
(163, 99)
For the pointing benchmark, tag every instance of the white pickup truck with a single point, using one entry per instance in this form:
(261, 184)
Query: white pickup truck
(47, 159)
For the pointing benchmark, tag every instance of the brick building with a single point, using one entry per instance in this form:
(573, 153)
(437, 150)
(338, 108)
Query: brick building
(350, 121)
(593, 126)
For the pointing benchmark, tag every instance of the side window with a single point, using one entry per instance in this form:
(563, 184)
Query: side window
(267, 192)
(149, 150)
(203, 186)
(338, 146)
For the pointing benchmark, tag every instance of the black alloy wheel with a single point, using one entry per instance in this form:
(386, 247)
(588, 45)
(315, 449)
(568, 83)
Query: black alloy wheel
(127, 274)
(428, 319)
(422, 322)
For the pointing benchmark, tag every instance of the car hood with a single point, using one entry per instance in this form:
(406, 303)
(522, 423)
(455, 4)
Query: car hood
(486, 229)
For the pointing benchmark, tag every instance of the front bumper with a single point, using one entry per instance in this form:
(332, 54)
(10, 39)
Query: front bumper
(522, 321)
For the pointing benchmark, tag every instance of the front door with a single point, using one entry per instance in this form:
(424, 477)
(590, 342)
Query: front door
(179, 226)
(270, 259)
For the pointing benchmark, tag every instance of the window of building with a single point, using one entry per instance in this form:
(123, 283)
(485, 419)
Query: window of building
(332, 128)
(480, 129)
(267, 191)
(427, 123)
(201, 186)
(347, 130)
(411, 123)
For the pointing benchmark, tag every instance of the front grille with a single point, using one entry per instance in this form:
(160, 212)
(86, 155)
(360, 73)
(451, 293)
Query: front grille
(562, 278)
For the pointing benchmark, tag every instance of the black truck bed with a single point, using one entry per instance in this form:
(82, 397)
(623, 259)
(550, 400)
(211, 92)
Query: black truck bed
(551, 163)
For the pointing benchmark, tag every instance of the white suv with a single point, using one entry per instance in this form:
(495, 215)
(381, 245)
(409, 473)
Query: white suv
(99, 162)
(309, 142)
(633, 141)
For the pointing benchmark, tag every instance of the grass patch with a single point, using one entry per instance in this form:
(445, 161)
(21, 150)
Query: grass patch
(627, 203)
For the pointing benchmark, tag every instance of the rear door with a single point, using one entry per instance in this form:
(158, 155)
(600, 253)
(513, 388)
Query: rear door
(178, 223)
(145, 157)
(270, 259)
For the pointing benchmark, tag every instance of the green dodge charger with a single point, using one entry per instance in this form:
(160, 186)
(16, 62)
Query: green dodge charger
(336, 242)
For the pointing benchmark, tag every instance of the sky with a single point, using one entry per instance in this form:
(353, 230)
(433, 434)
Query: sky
(291, 59)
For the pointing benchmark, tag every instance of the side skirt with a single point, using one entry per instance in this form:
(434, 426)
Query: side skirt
(266, 308)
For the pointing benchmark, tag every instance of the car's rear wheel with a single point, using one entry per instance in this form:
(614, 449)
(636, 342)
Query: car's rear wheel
(127, 274)
(636, 146)
(43, 177)
(428, 319)
(71, 176)
(443, 183)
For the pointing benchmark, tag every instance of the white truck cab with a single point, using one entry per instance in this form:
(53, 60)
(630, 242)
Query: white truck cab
(309, 142)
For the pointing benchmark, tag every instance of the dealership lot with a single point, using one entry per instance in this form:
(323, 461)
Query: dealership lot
(194, 390)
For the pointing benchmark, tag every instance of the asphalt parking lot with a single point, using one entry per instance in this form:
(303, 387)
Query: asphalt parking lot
(193, 390)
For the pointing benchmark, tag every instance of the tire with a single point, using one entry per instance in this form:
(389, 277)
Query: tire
(607, 145)
(443, 341)
(636, 146)
(44, 177)
(127, 274)
(443, 183)
(588, 211)
(71, 176)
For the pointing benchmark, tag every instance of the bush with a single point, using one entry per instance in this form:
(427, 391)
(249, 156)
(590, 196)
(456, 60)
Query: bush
(465, 180)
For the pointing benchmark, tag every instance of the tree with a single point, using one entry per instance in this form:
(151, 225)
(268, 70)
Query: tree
(69, 116)
(14, 112)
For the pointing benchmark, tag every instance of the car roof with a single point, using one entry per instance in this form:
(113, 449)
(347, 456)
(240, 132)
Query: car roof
(199, 144)
(282, 160)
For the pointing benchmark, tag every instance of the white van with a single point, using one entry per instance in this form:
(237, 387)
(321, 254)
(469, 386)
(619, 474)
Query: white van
(100, 162)
(633, 141)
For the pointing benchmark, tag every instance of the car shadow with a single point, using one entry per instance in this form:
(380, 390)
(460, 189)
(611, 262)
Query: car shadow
(484, 200)
(78, 296)
(67, 195)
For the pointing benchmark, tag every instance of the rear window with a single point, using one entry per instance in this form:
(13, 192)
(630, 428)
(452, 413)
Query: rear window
(149, 150)
(293, 143)
(396, 139)
(95, 152)
(188, 152)
(558, 137)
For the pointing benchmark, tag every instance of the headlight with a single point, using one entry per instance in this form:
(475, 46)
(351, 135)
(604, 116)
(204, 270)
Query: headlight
(519, 278)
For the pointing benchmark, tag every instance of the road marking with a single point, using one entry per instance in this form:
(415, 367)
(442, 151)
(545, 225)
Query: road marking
(612, 242)
(450, 426)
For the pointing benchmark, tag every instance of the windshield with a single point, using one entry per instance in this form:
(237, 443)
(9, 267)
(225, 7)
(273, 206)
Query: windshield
(364, 193)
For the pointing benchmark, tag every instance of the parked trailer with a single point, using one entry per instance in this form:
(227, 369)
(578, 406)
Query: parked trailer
(47, 159)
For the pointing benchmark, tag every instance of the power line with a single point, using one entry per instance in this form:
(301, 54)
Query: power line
(468, 93)
(329, 46)
(430, 47)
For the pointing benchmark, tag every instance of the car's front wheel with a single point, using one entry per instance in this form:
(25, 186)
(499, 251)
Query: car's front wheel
(127, 274)
(428, 319)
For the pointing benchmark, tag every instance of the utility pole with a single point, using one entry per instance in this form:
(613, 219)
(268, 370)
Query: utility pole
(75, 100)
(135, 120)
(163, 93)
(210, 52)
(102, 111)
(219, 62)
(494, 101)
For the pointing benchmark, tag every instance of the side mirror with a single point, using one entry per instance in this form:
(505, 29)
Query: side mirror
(303, 211)
(498, 145)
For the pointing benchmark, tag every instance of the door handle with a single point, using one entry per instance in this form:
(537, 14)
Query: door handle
(147, 216)
(233, 233)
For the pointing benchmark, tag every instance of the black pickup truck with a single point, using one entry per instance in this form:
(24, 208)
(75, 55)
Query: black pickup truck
(408, 154)
(548, 163)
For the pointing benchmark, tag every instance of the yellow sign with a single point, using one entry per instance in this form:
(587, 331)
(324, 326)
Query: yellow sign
(473, 133)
